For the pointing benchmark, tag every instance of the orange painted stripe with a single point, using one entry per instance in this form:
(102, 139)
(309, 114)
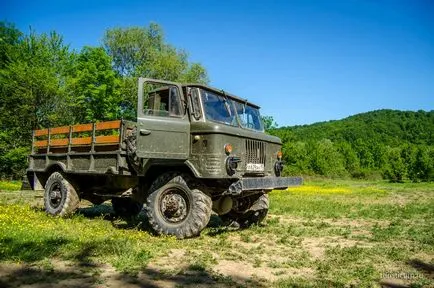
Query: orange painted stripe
(116, 124)
(41, 132)
(82, 127)
(41, 143)
(59, 142)
(110, 139)
(81, 141)
(59, 130)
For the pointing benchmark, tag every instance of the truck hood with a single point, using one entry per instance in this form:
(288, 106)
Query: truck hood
(216, 128)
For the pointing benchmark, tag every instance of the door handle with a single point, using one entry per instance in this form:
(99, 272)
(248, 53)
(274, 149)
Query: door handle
(145, 132)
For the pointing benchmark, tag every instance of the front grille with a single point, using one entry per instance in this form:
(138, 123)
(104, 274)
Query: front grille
(255, 152)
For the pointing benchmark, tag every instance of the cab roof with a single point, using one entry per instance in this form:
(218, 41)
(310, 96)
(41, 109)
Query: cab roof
(221, 92)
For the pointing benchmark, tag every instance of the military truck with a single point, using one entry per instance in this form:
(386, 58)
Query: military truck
(194, 149)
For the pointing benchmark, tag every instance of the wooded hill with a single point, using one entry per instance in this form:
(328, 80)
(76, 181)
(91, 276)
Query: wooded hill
(393, 144)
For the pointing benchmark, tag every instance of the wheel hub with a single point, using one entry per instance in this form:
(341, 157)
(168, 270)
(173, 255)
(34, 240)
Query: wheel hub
(174, 207)
(55, 196)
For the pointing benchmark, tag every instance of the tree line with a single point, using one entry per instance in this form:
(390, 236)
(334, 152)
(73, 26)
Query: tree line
(390, 144)
(45, 83)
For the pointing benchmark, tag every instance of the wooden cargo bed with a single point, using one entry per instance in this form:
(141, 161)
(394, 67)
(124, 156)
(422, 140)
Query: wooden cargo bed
(93, 147)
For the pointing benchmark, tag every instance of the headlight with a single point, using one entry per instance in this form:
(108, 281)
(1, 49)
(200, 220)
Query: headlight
(278, 167)
(232, 164)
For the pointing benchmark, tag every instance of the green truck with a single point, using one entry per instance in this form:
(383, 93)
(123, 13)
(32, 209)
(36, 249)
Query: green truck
(193, 150)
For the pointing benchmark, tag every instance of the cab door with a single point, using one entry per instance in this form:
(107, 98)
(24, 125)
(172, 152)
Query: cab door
(163, 126)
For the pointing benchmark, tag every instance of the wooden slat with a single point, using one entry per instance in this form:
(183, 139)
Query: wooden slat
(116, 124)
(41, 143)
(59, 142)
(81, 141)
(109, 139)
(82, 127)
(59, 130)
(41, 132)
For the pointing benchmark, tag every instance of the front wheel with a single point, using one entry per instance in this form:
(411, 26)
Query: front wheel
(60, 197)
(174, 207)
(250, 211)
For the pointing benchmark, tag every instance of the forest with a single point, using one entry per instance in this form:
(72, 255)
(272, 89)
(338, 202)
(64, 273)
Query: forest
(45, 83)
(391, 144)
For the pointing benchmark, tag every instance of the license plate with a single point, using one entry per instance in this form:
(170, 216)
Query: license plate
(255, 167)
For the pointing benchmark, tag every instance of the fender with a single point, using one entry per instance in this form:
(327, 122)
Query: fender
(56, 166)
(37, 178)
(192, 169)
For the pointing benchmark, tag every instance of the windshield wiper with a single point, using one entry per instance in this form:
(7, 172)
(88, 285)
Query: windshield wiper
(225, 102)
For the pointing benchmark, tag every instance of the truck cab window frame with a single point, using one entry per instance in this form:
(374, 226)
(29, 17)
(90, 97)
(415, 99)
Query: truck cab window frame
(163, 102)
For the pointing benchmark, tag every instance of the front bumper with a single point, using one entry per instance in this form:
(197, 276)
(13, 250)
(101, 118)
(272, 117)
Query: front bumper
(263, 183)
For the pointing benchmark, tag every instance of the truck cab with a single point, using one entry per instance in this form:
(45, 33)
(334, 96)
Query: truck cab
(216, 134)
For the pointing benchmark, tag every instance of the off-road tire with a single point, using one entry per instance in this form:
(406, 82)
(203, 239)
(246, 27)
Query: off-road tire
(195, 215)
(126, 207)
(253, 215)
(60, 197)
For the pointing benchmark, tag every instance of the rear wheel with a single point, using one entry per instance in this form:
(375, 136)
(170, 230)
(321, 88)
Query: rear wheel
(249, 211)
(174, 207)
(60, 197)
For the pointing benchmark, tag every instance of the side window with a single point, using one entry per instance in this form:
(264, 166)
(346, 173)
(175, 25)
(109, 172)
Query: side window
(164, 102)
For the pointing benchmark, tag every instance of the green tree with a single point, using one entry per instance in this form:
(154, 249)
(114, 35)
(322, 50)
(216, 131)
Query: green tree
(296, 157)
(94, 88)
(33, 71)
(143, 51)
(32, 84)
(422, 168)
(395, 170)
(351, 161)
(379, 152)
(326, 160)
(269, 123)
(364, 153)
(9, 38)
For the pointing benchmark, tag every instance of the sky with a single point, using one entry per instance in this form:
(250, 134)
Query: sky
(301, 61)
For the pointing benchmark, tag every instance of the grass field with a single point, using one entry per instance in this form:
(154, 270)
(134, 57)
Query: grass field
(322, 234)
(10, 185)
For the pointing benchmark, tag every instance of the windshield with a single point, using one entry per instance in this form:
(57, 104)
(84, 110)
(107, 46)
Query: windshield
(218, 108)
(249, 116)
(225, 110)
